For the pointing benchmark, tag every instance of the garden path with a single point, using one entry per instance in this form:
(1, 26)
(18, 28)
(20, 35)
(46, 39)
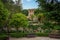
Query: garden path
(35, 38)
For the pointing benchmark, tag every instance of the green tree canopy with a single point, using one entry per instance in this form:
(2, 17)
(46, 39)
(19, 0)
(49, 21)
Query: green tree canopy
(3, 14)
(11, 6)
(52, 8)
(19, 20)
(49, 5)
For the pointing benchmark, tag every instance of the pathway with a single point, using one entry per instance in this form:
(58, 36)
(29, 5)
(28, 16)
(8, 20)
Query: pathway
(36, 38)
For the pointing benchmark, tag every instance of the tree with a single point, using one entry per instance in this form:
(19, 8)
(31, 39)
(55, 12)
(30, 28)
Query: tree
(11, 6)
(48, 5)
(3, 15)
(18, 20)
(52, 9)
(37, 11)
(25, 12)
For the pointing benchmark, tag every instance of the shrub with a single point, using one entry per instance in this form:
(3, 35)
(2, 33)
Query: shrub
(57, 27)
(3, 36)
(42, 34)
(34, 27)
(18, 34)
(47, 31)
(18, 20)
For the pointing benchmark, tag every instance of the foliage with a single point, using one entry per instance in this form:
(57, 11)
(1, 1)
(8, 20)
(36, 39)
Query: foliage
(11, 6)
(57, 27)
(47, 25)
(42, 34)
(18, 35)
(51, 8)
(47, 31)
(3, 36)
(3, 14)
(37, 11)
(54, 16)
(41, 15)
(34, 27)
(25, 12)
(32, 16)
(48, 5)
(18, 20)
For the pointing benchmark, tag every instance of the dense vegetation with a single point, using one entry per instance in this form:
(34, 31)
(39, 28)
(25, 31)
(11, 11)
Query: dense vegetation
(14, 21)
(10, 16)
(52, 13)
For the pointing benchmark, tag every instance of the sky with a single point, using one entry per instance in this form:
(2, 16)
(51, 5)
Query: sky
(29, 4)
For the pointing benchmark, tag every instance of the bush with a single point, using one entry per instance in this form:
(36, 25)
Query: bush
(34, 27)
(18, 34)
(47, 31)
(57, 27)
(18, 20)
(12, 31)
(42, 34)
(3, 36)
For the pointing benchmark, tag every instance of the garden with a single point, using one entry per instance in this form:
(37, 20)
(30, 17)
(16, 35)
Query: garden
(44, 23)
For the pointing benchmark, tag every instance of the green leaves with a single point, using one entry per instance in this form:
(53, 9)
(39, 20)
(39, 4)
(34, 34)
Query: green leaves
(48, 6)
(25, 12)
(11, 6)
(57, 27)
(3, 14)
(40, 16)
(52, 8)
(18, 20)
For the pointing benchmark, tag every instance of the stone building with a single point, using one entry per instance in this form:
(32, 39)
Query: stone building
(30, 12)
(31, 15)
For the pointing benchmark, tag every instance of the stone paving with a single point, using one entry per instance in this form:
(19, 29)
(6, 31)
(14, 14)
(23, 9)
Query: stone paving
(35, 38)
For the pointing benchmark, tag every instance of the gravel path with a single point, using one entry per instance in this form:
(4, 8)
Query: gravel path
(35, 38)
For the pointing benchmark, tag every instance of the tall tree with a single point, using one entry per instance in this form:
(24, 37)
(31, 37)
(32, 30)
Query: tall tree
(3, 15)
(52, 9)
(52, 6)
(48, 5)
(11, 6)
